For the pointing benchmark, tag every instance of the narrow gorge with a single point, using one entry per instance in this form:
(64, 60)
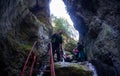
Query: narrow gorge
(22, 22)
(100, 23)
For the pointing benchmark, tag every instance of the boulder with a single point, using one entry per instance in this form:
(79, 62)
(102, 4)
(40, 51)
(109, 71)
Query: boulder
(71, 69)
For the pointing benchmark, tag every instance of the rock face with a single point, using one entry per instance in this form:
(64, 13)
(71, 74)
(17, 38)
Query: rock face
(40, 8)
(103, 69)
(102, 18)
(20, 26)
(24, 21)
(72, 69)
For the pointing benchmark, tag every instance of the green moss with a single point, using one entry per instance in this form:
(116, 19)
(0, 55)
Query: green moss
(43, 20)
(77, 66)
(57, 66)
(24, 47)
(16, 44)
(68, 53)
(72, 70)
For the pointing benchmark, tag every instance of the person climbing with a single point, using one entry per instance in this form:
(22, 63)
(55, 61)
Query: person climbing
(81, 54)
(56, 40)
(75, 53)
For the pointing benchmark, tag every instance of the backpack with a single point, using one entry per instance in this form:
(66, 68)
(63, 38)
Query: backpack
(54, 38)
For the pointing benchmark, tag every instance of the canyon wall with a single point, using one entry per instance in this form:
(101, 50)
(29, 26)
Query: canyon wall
(22, 22)
(100, 24)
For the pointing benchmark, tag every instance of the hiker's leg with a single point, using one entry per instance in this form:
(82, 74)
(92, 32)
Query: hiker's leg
(81, 53)
(58, 54)
(79, 56)
(82, 56)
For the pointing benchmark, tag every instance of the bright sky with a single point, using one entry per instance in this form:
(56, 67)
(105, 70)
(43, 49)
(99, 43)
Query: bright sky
(57, 8)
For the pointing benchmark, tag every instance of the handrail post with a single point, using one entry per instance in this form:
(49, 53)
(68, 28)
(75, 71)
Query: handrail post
(52, 70)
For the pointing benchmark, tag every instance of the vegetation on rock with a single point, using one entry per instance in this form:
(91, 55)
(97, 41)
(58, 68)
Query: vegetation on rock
(60, 23)
(71, 69)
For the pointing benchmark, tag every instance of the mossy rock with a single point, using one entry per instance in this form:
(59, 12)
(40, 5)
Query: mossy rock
(68, 53)
(71, 69)
(24, 47)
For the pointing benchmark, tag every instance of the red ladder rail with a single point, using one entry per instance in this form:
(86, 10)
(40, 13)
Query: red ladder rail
(28, 57)
(34, 60)
(52, 70)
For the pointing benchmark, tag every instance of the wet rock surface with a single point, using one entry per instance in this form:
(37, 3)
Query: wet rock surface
(19, 28)
(72, 69)
(24, 21)
(102, 18)
(103, 69)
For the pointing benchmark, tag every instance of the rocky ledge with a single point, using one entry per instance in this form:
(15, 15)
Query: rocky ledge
(72, 69)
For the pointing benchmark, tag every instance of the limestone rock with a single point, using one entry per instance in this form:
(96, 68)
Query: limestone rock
(71, 69)
(19, 28)
(102, 18)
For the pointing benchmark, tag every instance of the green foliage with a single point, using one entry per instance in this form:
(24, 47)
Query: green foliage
(70, 45)
(60, 23)
(68, 53)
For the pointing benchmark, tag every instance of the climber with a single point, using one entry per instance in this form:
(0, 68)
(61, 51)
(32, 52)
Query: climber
(81, 54)
(75, 53)
(56, 40)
